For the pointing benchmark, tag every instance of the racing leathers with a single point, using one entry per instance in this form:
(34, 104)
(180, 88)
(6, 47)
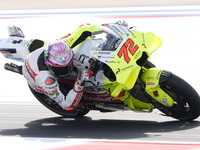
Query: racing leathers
(42, 80)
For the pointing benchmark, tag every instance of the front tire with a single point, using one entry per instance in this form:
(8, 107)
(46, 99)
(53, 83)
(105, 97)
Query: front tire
(53, 106)
(186, 100)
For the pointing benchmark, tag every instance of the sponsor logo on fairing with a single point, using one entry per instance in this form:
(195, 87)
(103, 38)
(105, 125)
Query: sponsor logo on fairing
(104, 97)
(30, 70)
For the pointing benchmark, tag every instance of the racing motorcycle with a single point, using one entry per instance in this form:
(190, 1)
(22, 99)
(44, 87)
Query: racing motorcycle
(124, 77)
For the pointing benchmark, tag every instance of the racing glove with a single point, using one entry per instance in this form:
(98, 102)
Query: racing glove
(77, 92)
(78, 89)
(82, 77)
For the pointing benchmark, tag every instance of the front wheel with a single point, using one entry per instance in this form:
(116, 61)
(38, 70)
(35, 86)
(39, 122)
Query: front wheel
(53, 106)
(186, 100)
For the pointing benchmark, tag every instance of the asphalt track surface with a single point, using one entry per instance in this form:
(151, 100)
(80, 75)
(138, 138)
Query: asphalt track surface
(27, 118)
(31, 119)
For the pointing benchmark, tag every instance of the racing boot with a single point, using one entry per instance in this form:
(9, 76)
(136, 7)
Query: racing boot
(13, 67)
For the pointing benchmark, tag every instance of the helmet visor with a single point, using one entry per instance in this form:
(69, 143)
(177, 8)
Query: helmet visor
(61, 72)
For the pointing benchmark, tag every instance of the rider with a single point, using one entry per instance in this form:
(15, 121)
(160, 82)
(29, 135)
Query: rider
(45, 66)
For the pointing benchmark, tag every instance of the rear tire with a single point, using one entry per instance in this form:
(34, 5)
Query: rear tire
(186, 100)
(53, 106)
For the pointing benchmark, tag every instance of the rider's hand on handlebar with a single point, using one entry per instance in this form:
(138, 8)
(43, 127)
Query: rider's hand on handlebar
(85, 76)
(82, 77)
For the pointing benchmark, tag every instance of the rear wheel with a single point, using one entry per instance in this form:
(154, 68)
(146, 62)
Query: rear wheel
(186, 100)
(53, 106)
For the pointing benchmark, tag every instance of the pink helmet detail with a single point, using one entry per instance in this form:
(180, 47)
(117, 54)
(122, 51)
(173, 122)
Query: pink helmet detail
(59, 54)
(59, 59)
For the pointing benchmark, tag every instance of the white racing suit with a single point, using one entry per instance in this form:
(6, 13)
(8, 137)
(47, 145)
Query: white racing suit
(42, 80)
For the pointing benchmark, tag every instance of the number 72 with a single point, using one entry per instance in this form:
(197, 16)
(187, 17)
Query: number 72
(128, 46)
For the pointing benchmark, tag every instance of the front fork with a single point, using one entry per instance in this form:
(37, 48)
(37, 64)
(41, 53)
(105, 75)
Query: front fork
(153, 78)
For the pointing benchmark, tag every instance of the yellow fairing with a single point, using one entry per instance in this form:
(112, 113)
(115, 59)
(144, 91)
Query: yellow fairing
(75, 35)
(152, 42)
(151, 79)
(127, 70)
(133, 103)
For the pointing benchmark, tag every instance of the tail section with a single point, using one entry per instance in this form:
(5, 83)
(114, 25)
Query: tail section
(13, 67)
(16, 47)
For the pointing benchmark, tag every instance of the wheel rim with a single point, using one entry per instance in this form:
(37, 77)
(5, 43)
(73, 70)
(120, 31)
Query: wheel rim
(181, 109)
